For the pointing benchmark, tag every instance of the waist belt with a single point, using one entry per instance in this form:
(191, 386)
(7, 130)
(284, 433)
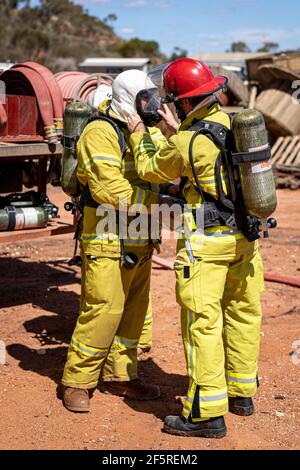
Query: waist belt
(211, 216)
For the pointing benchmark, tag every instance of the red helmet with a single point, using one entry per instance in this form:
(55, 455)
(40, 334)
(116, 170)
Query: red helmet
(185, 78)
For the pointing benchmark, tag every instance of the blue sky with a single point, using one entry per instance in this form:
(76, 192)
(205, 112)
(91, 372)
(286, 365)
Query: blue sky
(197, 25)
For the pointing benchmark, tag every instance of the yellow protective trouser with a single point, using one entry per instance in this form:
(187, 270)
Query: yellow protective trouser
(114, 303)
(221, 316)
(145, 341)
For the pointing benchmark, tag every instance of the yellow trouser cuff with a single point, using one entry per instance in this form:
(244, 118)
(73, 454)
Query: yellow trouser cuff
(112, 378)
(88, 386)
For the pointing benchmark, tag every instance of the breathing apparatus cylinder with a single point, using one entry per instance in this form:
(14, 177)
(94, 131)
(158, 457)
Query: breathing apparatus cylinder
(13, 218)
(253, 159)
(76, 116)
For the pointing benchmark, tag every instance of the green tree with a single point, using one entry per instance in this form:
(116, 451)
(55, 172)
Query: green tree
(138, 48)
(239, 46)
(178, 53)
(269, 47)
(111, 18)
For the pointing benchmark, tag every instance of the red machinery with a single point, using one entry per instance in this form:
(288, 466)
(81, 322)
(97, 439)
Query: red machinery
(23, 123)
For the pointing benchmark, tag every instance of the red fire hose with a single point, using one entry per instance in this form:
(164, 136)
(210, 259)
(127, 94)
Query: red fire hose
(55, 92)
(268, 277)
(290, 281)
(25, 81)
(68, 82)
(79, 85)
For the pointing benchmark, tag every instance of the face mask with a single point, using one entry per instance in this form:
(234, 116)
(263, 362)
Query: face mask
(147, 104)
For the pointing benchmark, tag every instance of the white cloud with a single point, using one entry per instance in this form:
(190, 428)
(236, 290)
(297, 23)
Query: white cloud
(126, 30)
(136, 4)
(144, 4)
(100, 2)
(163, 4)
(254, 37)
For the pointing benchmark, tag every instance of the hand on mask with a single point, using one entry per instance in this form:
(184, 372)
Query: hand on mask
(135, 124)
(169, 119)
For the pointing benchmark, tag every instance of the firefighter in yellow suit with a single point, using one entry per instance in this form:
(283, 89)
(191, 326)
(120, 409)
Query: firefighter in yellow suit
(219, 273)
(114, 299)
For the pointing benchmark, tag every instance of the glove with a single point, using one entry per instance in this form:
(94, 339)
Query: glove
(171, 189)
(170, 200)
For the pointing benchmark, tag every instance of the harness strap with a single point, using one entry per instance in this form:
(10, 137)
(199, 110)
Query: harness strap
(87, 199)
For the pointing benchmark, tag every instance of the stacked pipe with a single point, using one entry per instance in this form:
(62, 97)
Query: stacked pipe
(32, 79)
(79, 85)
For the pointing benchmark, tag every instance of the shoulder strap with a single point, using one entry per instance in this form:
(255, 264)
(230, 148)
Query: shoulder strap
(216, 131)
(120, 134)
(220, 135)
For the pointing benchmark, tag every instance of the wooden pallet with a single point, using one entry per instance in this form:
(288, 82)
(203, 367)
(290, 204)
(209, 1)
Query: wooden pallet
(286, 152)
(286, 162)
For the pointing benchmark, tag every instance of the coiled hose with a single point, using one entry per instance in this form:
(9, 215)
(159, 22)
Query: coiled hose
(28, 80)
(79, 85)
(55, 93)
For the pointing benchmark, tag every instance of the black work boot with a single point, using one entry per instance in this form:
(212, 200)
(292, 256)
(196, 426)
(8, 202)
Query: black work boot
(241, 406)
(212, 428)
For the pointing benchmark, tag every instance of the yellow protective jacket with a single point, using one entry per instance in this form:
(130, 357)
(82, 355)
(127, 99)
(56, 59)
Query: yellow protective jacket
(171, 160)
(110, 177)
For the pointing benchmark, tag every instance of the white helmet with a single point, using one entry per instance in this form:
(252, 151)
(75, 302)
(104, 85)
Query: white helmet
(102, 93)
(125, 87)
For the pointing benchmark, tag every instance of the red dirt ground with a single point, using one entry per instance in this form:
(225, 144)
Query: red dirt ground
(38, 308)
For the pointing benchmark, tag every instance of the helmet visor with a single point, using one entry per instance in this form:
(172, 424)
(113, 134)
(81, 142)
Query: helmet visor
(156, 76)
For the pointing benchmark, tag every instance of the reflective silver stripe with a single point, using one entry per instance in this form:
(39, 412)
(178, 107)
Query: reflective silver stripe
(212, 181)
(207, 182)
(126, 342)
(143, 147)
(241, 381)
(191, 342)
(214, 397)
(104, 159)
(140, 196)
(220, 233)
(154, 165)
(138, 241)
(190, 400)
(129, 166)
(148, 319)
(82, 348)
(100, 237)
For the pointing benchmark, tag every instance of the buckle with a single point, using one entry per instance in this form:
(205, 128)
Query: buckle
(230, 221)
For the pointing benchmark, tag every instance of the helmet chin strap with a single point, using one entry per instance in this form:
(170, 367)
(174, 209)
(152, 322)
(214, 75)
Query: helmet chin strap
(205, 103)
(180, 111)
